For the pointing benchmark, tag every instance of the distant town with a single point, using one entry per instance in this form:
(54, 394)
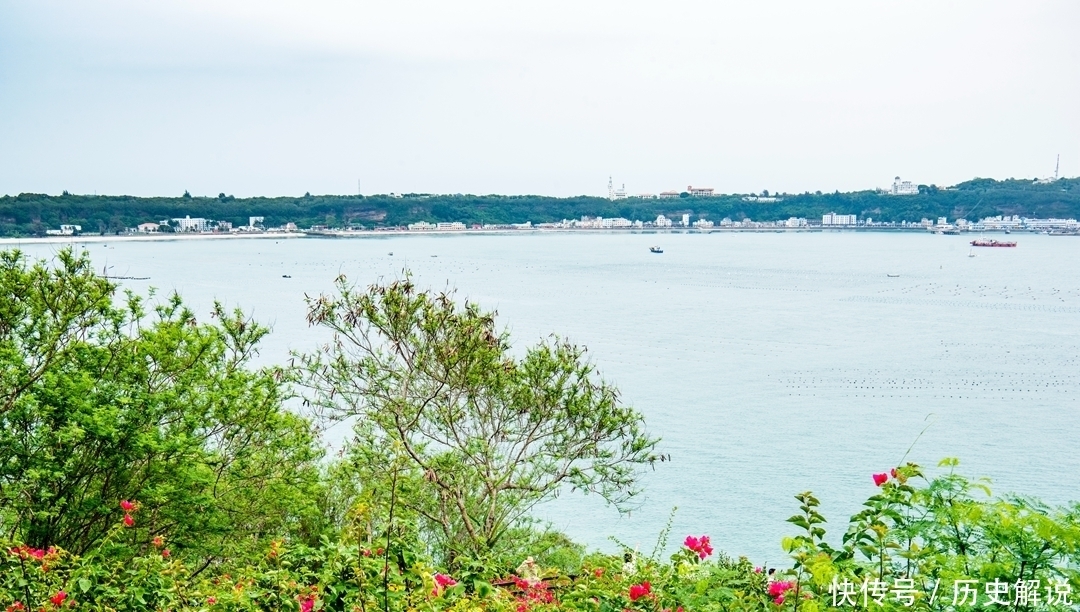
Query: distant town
(832, 221)
(693, 197)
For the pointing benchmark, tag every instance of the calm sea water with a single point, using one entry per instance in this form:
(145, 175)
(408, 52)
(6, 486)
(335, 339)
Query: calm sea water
(769, 363)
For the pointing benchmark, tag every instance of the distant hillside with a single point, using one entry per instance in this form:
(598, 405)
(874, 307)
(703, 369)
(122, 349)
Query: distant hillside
(31, 214)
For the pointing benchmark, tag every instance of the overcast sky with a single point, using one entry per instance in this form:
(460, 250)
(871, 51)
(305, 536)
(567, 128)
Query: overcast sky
(550, 97)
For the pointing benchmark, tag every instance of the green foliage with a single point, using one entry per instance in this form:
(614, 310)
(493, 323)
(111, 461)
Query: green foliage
(101, 403)
(455, 432)
(930, 537)
(31, 214)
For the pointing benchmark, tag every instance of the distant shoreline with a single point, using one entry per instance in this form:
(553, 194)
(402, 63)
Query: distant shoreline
(164, 237)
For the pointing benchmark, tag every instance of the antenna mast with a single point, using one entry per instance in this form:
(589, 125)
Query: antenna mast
(1057, 166)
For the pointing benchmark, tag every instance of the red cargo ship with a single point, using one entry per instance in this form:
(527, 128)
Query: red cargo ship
(992, 243)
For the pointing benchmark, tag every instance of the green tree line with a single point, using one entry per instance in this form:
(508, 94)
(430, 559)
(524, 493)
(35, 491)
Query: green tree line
(30, 214)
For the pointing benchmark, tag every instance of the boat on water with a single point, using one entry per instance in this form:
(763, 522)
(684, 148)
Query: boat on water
(656, 249)
(982, 242)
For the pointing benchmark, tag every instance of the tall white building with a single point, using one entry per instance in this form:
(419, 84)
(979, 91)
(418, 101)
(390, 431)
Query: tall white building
(835, 219)
(615, 194)
(187, 224)
(686, 220)
(903, 187)
(662, 221)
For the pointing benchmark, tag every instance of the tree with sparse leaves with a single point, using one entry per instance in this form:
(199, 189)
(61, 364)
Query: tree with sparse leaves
(459, 431)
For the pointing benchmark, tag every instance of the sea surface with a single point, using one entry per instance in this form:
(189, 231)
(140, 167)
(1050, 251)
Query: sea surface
(768, 363)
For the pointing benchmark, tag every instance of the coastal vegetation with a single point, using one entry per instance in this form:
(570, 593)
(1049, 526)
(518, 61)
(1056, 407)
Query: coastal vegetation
(147, 464)
(30, 214)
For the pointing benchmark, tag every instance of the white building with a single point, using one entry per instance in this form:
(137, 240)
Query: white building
(795, 222)
(686, 220)
(903, 187)
(65, 230)
(187, 224)
(700, 192)
(453, 225)
(703, 224)
(615, 223)
(662, 221)
(835, 219)
(667, 195)
(255, 222)
(149, 228)
(421, 226)
(1051, 224)
(615, 194)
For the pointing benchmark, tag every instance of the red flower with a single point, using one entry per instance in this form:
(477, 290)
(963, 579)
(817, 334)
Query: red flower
(893, 472)
(58, 599)
(16, 607)
(699, 545)
(638, 591)
(158, 541)
(165, 553)
(880, 479)
(130, 522)
(25, 552)
(211, 600)
(127, 506)
(598, 572)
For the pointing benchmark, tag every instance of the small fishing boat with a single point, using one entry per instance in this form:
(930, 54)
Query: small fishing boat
(982, 242)
(656, 249)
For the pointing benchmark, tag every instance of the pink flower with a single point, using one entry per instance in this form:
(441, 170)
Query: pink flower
(58, 599)
(699, 545)
(777, 589)
(307, 603)
(778, 600)
(638, 591)
(757, 570)
(211, 600)
(880, 479)
(441, 582)
(127, 506)
(128, 521)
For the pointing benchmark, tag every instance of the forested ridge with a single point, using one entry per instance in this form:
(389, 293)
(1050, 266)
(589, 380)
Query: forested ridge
(30, 214)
